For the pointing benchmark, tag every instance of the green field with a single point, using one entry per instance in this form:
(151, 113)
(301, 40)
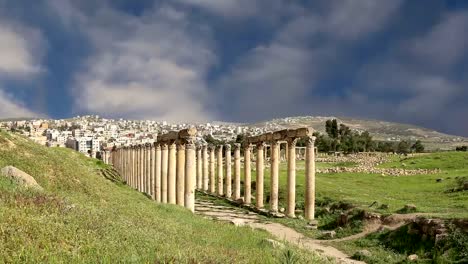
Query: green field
(82, 217)
(362, 189)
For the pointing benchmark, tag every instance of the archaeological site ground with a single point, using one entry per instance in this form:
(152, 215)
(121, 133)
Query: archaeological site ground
(366, 207)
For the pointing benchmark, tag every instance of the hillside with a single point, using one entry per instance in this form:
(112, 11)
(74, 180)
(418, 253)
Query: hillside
(380, 130)
(83, 217)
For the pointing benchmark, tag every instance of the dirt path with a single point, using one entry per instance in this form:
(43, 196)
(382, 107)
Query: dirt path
(239, 217)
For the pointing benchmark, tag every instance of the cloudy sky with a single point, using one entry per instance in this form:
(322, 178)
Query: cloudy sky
(237, 60)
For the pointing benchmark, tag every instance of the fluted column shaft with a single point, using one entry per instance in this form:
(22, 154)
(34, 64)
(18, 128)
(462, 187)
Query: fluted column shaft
(247, 175)
(199, 168)
(157, 173)
(220, 170)
(205, 167)
(164, 171)
(291, 195)
(171, 174)
(310, 179)
(260, 174)
(212, 170)
(237, 171)
(152, 172)
(180, 171)
(190, 175)
(274, 180)
(228, 169)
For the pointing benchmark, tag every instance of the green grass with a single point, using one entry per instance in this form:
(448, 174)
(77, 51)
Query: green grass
(362, 189)
(81, 217)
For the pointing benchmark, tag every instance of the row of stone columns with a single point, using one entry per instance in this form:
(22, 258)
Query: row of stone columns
(171, 169)
(165, 170)
(215, 173)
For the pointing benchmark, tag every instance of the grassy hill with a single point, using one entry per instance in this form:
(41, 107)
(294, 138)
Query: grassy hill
(83, 217)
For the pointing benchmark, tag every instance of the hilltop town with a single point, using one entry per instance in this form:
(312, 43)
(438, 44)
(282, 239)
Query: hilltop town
(91, 134)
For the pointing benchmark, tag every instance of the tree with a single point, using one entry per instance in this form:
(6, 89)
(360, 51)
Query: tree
(240, 138)
(403, 147)
(417, 147)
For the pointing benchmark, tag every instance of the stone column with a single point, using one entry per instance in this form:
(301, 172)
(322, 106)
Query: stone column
(148, 170)
(227, 154)
(144, 168)
(260, 174)
(157, 173)
(310, 179)
(134, 167)
(274, 180)
(190, 175)
(205, 167)
(180, 174)
(138, 187)
(247, 175)
(164, 172)
(199, 168)
(152, 171)
(291, 196)
(237, 171)
(220, 171)
(171, 174)
(212, 169)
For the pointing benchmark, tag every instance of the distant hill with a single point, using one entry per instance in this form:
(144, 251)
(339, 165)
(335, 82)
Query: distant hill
(380, 130)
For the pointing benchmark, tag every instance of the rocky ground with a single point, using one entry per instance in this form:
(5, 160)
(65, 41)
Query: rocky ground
(368, 163)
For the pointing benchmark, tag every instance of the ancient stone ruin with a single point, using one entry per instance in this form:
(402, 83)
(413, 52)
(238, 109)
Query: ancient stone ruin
(171, 169)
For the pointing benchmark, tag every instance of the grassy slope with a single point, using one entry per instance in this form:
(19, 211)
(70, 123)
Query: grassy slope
(82, 217)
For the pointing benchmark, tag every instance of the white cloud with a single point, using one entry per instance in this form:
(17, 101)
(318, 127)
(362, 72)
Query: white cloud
(11, 108)
(241, 9)
(280, 78)
(21, 50)
(352, 19)
(152, 66)
(445, 43)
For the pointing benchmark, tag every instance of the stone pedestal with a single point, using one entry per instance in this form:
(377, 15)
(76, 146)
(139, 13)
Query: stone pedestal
(237, 171)
(274, 181)
(310, 179)
(260, 174)
(171, 174)
(247, 175)
(180, 171)
(220, 170)
(291, 186)
(164, 171)
(227, 154)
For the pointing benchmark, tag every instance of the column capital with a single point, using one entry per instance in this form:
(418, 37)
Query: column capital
(227, 147)
(310, 140)
(260, 145)
(219, 147)
(157, 145)
(190, 143)
(211, 147)
(164, 146)
(180, 146)
(292, 141)
(172, 145)
(247, 146)
(237, 146)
